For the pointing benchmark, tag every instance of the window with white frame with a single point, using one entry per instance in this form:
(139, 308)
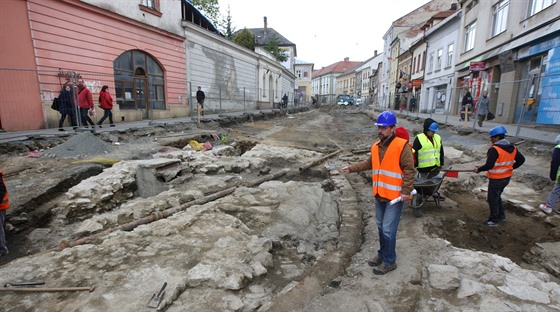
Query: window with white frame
(298, 73)
(438, 59)
(535, 6)
(470, 32)
(431, 63)
(149, 3)
(449, 60)
(500, 14)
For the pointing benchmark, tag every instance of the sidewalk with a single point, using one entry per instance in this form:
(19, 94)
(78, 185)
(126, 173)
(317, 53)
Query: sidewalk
(527, 133)
(6, 137)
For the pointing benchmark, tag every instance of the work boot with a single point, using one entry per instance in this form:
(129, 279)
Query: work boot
(384, 268)
(375, 261)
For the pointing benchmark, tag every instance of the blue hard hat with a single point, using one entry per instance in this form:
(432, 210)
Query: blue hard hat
(386, 118)
(433, 127)
(497, 131)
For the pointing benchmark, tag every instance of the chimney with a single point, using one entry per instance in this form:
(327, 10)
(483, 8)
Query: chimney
(346, 59)
(265, 25)
(375, 53)
(454, 6)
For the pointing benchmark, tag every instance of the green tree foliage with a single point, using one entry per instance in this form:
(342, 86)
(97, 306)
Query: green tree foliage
(210, 9)
(229, 30)
(246, 39)
(272, 47)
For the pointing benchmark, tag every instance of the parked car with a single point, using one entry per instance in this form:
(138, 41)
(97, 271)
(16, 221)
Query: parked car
(358, 102)
(345, 99)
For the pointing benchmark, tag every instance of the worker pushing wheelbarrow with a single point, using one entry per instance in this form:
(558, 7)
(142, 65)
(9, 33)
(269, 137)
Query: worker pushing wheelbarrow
(427, 190)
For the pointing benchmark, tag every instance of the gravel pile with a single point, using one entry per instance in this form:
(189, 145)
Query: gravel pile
(81, 145)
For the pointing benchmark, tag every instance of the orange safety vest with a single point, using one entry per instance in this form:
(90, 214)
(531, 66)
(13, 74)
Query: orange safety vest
(387, 175)
(4, 204)
(503, 168)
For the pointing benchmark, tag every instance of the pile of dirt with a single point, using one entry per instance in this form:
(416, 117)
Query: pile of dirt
(81, 145)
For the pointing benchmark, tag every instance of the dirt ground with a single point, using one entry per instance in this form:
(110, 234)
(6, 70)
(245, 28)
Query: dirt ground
(458, 220)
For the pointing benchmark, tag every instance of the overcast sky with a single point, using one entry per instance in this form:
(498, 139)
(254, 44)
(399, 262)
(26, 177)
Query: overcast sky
(324, 32)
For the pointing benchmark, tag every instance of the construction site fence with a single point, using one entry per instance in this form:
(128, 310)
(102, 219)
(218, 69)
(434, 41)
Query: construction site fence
(143, 96)
(524, 105)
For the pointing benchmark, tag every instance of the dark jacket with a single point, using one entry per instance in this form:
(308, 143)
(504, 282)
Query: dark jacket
(554, 164)
(467, 99)
(492, 155)
(200, 96)
(66, 102)
(416, 146)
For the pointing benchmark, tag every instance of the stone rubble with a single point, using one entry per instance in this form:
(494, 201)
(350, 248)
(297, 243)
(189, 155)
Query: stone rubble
(241, 251)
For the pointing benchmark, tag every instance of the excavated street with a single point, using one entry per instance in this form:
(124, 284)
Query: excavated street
(264, 220)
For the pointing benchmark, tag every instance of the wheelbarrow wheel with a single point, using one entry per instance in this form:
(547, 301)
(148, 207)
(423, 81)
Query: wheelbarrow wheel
(416, 203)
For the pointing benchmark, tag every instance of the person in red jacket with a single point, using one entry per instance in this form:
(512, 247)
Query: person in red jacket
(85, 103)
(4, 205)
(106, 103)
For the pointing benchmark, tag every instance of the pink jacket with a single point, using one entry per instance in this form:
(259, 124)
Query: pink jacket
(85, 98)
(105, 100)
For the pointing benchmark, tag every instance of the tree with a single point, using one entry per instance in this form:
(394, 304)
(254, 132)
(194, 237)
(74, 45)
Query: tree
(210, 9)
(229, 30)
(272, 47)
(246, 39)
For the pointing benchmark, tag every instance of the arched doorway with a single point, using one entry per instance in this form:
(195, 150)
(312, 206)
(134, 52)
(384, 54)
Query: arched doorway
(139, 83)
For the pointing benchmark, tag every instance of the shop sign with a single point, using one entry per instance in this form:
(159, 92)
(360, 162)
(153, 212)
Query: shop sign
(417, 83)
(477, 66)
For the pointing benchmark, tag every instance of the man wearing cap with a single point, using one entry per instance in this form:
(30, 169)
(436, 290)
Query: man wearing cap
(392, 178)
(501, 159)
(428, 150)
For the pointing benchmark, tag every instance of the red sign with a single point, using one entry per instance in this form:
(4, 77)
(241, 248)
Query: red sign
(477, 66)
(417, 83)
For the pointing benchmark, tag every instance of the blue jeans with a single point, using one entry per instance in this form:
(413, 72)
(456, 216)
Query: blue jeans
(387, 217)
(553, 197)
(495, 189)
(106, 113)
(84, 117)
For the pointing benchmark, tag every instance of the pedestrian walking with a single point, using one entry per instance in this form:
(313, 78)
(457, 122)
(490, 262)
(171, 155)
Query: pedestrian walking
(4, 205)
(466, 103)
(106, 103)
(85, 103)
(392, 178)
(285, 100)
(66, 107)
(554, 195)
(482, 108)
(428, 150)
(501, 159)
(413, 102)
(200, 97)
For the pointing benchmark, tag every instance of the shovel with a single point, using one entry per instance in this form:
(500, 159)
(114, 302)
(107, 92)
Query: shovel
(157, 298)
